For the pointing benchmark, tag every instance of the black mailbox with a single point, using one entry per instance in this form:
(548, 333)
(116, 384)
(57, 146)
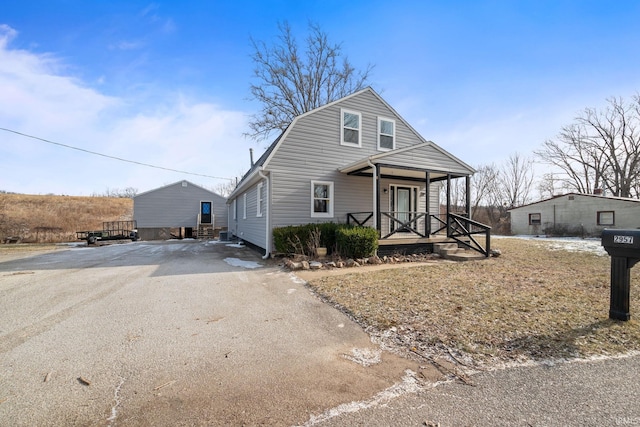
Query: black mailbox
(624, 248)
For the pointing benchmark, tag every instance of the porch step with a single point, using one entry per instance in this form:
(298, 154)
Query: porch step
(452, 252)
(205, 232)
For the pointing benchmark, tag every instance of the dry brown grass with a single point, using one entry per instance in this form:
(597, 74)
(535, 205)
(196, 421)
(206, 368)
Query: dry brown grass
(47, 219)
(529, 304)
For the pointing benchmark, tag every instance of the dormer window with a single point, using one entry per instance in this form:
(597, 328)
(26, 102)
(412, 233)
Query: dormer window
(351, 128)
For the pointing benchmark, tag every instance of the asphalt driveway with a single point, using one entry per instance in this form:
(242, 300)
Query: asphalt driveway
(175, 333)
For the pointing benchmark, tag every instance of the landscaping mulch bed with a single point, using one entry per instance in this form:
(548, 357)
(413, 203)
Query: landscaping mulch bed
(535, 302)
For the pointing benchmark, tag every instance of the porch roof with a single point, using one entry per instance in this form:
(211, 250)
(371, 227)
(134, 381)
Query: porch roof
(411, 163)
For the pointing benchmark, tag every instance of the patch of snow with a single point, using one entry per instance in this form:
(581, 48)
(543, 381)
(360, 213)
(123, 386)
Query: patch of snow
(116, 399)
(296, 279)
(364, 356)
(236, 262)
(571, 244)
(235, 245)
(408, 385)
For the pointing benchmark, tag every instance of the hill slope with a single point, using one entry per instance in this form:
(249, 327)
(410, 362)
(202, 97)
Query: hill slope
(52, 219)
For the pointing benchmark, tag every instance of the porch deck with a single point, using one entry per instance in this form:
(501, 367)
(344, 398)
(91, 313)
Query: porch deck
(410, 244)
(406, 233)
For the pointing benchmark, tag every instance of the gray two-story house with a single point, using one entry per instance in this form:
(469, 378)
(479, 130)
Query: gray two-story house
(354, 160)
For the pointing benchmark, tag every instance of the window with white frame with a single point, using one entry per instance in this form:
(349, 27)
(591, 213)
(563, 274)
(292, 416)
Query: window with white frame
(606, 218)
(234, 208)
(259, 200)
(386, 134)
(244, 206)
(351, 128)
(321, 199)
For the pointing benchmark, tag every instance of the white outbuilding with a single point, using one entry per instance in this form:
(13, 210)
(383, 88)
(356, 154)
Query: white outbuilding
(575, 214)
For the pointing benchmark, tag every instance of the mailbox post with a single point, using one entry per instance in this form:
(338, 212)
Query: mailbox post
(624, 248)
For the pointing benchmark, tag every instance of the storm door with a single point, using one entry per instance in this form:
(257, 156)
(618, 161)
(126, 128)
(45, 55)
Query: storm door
(205, 212)
(403, 204)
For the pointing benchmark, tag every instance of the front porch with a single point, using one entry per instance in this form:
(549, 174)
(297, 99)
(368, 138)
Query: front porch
(411, 233)
(406, 186)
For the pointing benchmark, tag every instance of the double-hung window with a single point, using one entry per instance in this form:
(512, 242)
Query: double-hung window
(386, 134)
(259, 200)
(351, 128)
(321, 199)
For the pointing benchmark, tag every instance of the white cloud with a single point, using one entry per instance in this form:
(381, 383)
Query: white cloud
(41, 100)
(6, 35)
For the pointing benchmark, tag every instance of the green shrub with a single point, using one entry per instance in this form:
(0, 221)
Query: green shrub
(357, 242)
(296, 239)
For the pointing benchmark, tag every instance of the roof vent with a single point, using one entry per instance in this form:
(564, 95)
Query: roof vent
(184, 183)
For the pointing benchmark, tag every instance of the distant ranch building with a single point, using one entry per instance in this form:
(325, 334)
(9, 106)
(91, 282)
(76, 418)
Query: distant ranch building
(182, 209)
(575, 214)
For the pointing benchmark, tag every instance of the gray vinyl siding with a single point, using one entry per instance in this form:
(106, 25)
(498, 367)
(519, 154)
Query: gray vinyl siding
(252, 228)
(176, 206)
(577, 215)
(312, 152)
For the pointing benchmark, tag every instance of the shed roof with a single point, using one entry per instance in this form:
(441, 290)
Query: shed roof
(622, 199)
(189, 183)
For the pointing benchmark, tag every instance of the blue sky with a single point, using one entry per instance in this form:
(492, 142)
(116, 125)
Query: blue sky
(167, 82)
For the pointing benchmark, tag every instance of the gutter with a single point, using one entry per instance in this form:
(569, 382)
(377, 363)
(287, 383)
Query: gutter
(267, 249)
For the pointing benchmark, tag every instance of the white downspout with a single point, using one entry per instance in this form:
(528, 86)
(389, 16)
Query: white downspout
(266, 206)
(375, 194)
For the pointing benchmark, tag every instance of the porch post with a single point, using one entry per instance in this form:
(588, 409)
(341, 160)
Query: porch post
(427, 219)
(448, 202)
(468, 184)
(377, 189)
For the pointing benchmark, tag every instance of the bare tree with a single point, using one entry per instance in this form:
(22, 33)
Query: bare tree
(485, 187)
(600, 150)
(226, 187)
(125, 193)
(292, 80)
(550, 184)
(516, 180)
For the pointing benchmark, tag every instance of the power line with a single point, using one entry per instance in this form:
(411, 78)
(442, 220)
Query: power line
(112, 157)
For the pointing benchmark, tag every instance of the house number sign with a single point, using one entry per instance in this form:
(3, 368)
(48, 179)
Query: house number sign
(627, 240)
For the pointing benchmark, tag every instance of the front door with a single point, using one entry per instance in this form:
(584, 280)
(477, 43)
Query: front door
(403, 205)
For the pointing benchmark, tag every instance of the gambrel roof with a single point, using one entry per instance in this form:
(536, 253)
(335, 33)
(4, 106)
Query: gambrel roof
(408, 162)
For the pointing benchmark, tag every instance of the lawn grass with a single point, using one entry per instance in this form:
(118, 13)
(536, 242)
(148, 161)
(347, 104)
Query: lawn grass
(531, 303)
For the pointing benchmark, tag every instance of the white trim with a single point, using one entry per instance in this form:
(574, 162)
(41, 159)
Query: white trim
(344, 111)
(392, 135)
(244, 206)
(259, 200)
(235, 209)
(331, 200)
